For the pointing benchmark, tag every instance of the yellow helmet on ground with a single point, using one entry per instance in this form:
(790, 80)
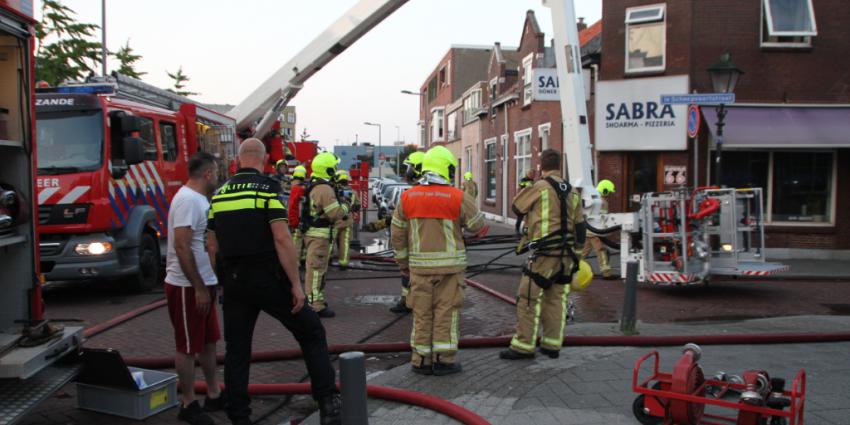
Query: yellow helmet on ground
(605, 187)
(324, 165)
(299, 172)
(583, 277)
(441, 161)
(467, 175)
(342, 175)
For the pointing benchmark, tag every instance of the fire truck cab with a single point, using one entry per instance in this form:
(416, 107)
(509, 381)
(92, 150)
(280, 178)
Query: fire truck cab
(113, 154)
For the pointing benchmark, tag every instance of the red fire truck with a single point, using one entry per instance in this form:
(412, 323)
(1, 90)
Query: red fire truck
(114, 153)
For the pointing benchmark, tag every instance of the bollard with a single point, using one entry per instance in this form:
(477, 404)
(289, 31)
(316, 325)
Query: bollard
(352, 376)
(628, 319)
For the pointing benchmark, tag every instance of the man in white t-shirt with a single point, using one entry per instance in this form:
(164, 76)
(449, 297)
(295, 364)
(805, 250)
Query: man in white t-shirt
(190, 287)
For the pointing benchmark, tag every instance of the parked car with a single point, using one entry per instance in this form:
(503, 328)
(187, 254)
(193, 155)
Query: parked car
(377, 187)
(386, 196)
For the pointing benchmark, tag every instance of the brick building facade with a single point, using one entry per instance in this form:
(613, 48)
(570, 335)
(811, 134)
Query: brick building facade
(788, 132)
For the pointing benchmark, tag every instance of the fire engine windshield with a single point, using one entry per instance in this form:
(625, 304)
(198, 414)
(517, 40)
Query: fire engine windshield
(69, 142)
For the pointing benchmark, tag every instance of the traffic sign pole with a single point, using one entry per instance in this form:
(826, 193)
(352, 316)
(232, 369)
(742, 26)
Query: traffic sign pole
(693, 135)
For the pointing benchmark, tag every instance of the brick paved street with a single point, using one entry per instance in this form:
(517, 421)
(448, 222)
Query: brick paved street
(359, 294)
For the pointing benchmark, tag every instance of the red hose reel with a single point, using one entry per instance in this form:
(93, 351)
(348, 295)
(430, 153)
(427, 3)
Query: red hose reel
(681, 397)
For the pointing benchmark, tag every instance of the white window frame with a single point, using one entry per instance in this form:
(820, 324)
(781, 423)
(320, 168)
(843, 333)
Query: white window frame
(547, 130)
(769, 18)
(527, 79)
(469, 158)
(806, 43)
(494, 88)
(438, 125)
(451, 126)
(487, 143)
(471, 108)
(660, 17)
(522, 134)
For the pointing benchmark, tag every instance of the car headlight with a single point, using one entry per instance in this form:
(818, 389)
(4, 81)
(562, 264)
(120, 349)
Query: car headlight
(727, 247)
(94, 248)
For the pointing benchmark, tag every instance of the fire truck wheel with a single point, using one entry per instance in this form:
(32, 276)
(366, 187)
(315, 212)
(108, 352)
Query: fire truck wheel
(643, 417)
(148, 276)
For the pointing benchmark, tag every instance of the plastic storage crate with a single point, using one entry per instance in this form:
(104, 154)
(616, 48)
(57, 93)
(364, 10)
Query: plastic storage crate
(107, 386)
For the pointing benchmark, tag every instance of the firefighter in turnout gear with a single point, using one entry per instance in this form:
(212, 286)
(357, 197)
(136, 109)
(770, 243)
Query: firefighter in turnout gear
(296, 194)
(428, 243)
(343, 228)
(412, 174)
(248, 226)
(605, 188)
(469, 185)
(321, 211)
(556, 229)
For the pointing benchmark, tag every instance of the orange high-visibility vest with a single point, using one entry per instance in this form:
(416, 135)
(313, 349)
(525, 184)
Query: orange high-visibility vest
(432, 201)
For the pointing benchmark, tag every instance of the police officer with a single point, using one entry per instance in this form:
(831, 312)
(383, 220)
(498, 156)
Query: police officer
(469, 185)
(322, 211)
(556, 229)
(343, 228)
(296, 194)
(428, 243)
(605, 188)
(248, 224)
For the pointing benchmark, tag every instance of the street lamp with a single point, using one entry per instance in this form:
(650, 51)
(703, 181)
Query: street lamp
(724, 77)
(380, 169)
(424, 113)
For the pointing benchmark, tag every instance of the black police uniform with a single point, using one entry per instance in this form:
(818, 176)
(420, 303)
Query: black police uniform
(254, 280)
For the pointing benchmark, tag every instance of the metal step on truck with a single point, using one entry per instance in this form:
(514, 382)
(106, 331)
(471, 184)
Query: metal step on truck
(114, 151)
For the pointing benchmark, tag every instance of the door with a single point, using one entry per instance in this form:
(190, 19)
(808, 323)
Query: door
(642, 177)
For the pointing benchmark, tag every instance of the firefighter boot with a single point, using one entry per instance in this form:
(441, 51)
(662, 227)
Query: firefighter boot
(509, 354)
(604, 266)
(330, 410)
(443, 369)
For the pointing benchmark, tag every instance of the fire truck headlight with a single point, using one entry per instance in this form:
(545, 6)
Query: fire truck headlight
(94, 248)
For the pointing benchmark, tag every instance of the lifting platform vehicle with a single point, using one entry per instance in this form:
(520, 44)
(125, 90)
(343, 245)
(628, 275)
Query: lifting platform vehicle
(675, 238)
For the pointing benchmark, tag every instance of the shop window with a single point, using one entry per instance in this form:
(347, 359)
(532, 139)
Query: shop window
(644, 175)
(146, 132)
(168, 137)
(523, 154)
(802, 187)
(645, 39)
(490, 167)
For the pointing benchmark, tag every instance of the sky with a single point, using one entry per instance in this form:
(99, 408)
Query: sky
(228, 51)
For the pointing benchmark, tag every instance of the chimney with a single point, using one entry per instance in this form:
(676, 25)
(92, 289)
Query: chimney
(581, 25)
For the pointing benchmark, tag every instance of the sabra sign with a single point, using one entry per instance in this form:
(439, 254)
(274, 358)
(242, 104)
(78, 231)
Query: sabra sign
(546, 85)
(630, 117)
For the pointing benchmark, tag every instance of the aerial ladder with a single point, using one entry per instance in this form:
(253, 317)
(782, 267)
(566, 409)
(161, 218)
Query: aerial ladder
(679, 237)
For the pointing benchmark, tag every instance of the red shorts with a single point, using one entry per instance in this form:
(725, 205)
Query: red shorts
(192, 330)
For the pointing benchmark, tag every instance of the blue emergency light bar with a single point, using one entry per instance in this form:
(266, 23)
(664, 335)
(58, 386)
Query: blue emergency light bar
(107, 89)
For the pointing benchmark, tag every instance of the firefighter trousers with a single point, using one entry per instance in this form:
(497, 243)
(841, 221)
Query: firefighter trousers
(601, 254)
(436, 300)
(541, 312)
(343, 239)
(318, 254)
(298, 241)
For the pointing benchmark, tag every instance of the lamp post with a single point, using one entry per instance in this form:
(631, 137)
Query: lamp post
(380, 169)
(424, 114)
(724, 77)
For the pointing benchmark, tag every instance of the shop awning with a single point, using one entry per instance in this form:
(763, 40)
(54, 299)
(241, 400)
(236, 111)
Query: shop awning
(783, 127)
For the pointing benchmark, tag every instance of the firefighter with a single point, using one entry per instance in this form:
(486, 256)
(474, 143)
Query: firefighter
(296, 194)
(343, 228)
(605, 188)
(526, 180)
(428, 243)
(280, 169)
(320, 212)
(412, 174)
(556, 229)
(247, 226)
(469, 186)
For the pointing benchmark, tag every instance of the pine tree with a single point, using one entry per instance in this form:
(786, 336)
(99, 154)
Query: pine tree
(73, 55)
(180, 80)
(128, 59)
